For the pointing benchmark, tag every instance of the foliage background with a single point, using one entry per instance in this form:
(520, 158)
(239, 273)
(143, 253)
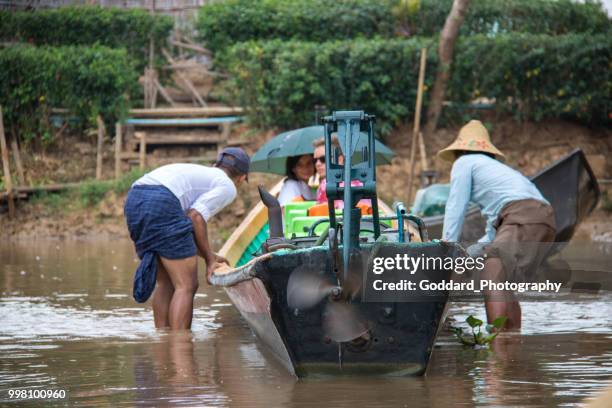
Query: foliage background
(534, 59)
(85, 59)
(92, 25)
(86, 80)
(225, 23)
(530, 76)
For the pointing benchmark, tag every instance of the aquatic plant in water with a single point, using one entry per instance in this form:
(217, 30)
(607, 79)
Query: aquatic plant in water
(478, 337)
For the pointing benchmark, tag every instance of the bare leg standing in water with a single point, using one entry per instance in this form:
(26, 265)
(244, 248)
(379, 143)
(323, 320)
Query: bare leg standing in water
(183, 275)
(177, 283)
(162, 297)
(497, 302)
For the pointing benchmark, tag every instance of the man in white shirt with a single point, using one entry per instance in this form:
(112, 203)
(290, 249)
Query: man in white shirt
(167, 211)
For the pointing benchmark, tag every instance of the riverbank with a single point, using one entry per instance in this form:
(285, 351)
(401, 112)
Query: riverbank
(95, 210)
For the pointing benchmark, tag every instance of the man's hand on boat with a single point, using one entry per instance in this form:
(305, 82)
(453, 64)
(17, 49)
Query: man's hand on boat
(220, 259)
(210, 269)
(220, 262)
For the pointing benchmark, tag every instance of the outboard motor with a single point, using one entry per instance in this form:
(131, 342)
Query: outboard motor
(275, 221)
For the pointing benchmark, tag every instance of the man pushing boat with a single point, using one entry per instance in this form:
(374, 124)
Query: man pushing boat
(167, 211)
(518, 217)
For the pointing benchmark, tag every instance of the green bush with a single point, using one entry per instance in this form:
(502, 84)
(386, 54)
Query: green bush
(123, 184)
(530, 16)
(92, 192)
(537, 76)
(279, 83)
(225, 23)
(86, 80)
(89, 25)
(531, 76)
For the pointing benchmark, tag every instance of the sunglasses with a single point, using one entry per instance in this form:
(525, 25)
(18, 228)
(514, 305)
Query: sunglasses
(321, 159)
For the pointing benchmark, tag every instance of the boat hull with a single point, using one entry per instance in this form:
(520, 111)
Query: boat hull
(400, 337)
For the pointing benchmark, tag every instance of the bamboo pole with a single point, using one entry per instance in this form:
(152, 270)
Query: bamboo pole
(417, 121)
(423, 153)
(118, 143)
(100, 147)
(18, 164)
(8, 182)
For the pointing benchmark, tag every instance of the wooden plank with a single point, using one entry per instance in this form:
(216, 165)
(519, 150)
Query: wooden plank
(45, 188)
(189, 112)
(185, 80)
(192, 159)
(142, 162)
(225, 134)
(8, 182)
(179, 65)
(192, 47)
(129, 155)
(118, 146)
(100, 147)
(164, 94)
(227, 129)
(189, 122)
(184, 139)
(17, 158)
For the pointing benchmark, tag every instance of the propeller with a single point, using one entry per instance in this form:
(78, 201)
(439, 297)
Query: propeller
(305, 289)
(341, 322)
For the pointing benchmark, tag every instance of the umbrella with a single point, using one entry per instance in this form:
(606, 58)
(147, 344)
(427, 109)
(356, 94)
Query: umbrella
(272, 156)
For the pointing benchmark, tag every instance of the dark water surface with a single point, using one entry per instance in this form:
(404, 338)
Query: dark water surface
(68, 322)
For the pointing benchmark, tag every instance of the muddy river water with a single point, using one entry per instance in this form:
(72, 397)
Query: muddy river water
(68, 322)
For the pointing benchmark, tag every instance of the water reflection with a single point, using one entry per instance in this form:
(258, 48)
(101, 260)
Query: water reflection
(67, 321)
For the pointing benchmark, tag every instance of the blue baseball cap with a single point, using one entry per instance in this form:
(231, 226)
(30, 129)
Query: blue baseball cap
(235, 157)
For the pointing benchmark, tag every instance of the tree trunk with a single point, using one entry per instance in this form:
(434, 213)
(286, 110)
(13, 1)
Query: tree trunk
(448, 38)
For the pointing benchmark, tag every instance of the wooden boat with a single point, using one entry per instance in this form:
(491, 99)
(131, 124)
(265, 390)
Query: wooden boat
(399, 333)
(568, 184)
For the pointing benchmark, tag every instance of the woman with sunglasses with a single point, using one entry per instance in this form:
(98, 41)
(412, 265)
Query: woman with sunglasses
(319, 160)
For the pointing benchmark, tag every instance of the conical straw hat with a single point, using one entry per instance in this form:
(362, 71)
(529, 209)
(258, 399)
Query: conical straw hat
(472, 137)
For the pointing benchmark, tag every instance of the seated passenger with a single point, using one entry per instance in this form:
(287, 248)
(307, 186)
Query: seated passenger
(295, 188)
(319, 160)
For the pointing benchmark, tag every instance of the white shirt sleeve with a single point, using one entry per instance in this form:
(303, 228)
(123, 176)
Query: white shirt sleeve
(458, 200)
(214, 200)
(289, 191)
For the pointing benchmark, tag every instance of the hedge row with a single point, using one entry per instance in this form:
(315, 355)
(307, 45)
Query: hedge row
(86, 80)
(537, 76)
(528, 16)
(532, 76)
(221, 24)
(89, 25)
(225, 23)
(280, 83)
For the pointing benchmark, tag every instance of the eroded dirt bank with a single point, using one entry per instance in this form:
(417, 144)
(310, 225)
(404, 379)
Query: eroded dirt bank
(528, 146)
